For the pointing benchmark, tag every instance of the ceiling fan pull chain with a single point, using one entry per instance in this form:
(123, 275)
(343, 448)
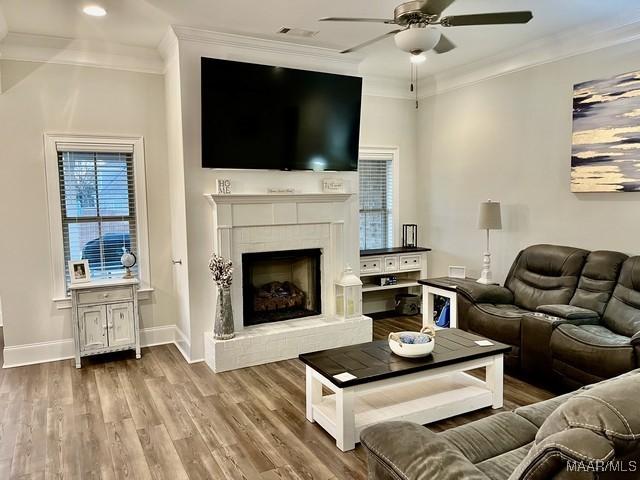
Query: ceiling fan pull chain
(416, 89)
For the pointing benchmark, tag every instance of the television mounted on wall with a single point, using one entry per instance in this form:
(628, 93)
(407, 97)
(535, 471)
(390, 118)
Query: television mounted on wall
(276, 118)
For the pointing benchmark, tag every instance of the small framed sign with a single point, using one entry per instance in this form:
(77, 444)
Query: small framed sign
(79, 271)
(457, 272)
(333, 185)
(224, 186)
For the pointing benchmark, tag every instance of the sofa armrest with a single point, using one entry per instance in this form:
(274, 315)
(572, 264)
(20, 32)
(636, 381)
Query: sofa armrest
(408, 451)
(477, 292)
(568, 312)
(635, 340)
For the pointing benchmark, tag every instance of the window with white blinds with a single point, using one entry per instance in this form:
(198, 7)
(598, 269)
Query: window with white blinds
(98, 206)
(376, 202)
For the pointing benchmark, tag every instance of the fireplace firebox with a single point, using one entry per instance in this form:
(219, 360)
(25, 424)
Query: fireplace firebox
(281, 285)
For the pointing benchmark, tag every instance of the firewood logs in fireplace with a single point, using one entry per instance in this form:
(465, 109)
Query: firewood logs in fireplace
(278, 296)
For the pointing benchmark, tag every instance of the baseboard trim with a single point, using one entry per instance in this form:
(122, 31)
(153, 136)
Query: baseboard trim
(44, 352)
(183, 345)
(150, 337)
(40, 352)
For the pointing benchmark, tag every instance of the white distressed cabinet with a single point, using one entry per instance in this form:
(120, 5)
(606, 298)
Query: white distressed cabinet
(105, 317)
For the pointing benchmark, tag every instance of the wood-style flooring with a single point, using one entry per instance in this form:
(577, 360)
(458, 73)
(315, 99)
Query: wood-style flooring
(161, 418)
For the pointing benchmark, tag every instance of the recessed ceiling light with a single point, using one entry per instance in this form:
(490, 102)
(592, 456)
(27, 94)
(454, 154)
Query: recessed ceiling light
(418, 58)
(94, 10)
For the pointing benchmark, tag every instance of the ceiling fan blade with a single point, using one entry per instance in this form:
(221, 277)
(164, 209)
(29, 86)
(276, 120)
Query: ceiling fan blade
(435, 7)
(444, 45)
(349, 19)
(369, 42)
(498, 18)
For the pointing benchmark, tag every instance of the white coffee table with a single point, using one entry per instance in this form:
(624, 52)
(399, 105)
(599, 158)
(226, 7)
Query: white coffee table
(388, 387)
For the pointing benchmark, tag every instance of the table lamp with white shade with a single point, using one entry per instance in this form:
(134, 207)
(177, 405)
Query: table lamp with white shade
(489, 219)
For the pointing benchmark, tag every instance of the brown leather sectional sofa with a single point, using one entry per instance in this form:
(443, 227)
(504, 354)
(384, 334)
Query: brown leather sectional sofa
(569, 314)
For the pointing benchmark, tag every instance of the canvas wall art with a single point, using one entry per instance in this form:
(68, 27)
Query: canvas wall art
(606, 135)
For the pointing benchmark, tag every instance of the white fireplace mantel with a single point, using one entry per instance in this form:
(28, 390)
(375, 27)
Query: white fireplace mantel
(277, 197)
(253, 223)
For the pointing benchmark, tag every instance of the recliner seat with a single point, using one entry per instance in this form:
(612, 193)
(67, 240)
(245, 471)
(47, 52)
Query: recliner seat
(540, 275)
(587, 353)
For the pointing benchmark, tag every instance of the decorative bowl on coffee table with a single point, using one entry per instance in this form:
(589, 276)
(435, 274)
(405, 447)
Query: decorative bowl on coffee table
(413, 344)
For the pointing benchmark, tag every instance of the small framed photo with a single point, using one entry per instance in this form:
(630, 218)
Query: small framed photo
(79, 271)
(457, 272)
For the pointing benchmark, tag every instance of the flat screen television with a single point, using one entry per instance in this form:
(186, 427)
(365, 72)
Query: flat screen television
(263, 117)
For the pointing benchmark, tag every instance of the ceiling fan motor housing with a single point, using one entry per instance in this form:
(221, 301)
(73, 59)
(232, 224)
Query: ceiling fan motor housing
(417, 39)
(409, 13)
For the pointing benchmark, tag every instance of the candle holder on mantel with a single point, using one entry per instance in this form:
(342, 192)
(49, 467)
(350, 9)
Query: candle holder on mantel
(410, 235)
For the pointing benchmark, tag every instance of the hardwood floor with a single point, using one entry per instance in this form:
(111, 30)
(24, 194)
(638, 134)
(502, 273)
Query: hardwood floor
(161, 418)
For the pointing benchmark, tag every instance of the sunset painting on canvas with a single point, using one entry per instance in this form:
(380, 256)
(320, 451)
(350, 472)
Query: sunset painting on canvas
(606, 135)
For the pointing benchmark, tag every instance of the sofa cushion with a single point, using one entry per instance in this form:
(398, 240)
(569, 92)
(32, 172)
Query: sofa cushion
(594, 425)
(502, 466)
(537, 413)
(549, 458)
(598, 279)
(545, 275)
(404, 450)
(609, 409)
(491, 436)
(622, 314)
(499, 322)
(594, 349)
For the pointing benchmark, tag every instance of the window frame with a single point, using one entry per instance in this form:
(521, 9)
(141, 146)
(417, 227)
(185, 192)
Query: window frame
(56, 235)
(384, 152)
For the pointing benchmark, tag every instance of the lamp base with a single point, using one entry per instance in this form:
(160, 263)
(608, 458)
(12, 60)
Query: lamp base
(486, 277)
(486, 281)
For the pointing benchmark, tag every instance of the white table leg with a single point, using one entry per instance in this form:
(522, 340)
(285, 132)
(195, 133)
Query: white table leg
(345, 420)
(314, 393)
(453, 310)
(495, 380)
(427, 308)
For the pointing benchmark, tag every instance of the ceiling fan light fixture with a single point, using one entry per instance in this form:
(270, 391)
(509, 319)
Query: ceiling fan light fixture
(94, 10)
(417, 40)
(418, 58)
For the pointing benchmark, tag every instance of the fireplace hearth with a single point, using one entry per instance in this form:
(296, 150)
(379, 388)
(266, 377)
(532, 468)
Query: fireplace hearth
(280, 285)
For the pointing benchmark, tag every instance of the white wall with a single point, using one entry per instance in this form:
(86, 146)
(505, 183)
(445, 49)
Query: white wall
(178, 216)
(393, 122)
(385, 122)
(40, 98)
(509, 139)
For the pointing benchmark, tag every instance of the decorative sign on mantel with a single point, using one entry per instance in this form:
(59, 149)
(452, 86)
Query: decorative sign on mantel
(281, 191)
(224, 186)
(333, 185)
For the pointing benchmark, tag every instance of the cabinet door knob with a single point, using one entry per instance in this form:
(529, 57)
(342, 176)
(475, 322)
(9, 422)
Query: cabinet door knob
(106, 295)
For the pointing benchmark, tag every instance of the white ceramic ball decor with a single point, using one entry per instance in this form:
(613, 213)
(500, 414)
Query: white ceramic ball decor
(413, 344)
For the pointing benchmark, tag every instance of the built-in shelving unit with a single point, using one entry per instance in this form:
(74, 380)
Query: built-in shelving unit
(408, 265)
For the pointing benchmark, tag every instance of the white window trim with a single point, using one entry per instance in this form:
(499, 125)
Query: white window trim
(382, 152)
(51, 140)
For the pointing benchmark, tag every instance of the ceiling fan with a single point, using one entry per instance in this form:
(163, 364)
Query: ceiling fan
(418, 18)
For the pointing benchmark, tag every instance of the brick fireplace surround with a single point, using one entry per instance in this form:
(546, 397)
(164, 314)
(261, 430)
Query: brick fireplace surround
(252, 223)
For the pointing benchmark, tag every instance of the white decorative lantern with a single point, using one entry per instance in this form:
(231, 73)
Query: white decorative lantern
(348, 295)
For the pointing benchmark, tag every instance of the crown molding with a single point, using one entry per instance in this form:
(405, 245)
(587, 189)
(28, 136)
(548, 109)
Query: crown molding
(275, 50)
(69, 51)
(553, 48)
